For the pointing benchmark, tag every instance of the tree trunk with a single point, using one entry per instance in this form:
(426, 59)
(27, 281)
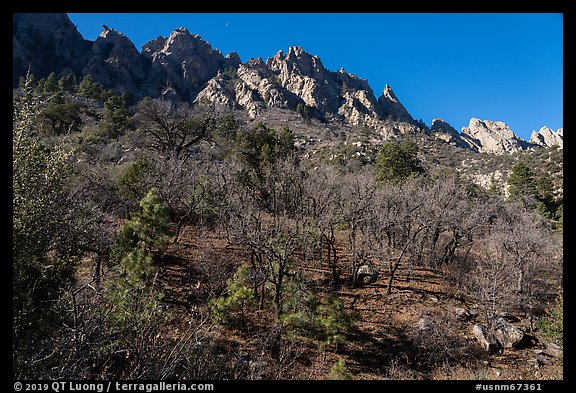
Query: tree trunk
(321, 249)
(335, 274)
(97, 271)
(278, 289)
(392, 272)
(180, 224)
(519, 281)
(262, 294)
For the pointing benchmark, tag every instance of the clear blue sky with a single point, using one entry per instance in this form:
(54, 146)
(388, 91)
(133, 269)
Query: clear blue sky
(502, 67)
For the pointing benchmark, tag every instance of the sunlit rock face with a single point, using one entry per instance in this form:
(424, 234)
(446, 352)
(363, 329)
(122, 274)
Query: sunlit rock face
(545, 137)
(492, 137)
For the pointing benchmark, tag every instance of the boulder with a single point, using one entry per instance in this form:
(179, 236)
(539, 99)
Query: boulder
(507, 335)
(424, 323)
(554, 350)
(463, 314)
(485, 338)
(366, 275)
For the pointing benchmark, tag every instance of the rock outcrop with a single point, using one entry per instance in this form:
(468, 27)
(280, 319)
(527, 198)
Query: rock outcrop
(485, 338)
(116, 62)
(492, 137)
(298, 81)
(304, 75)
(463, 314)
(392, 107)
(502, 335)
(45, 43)
(184, 67)
(366, 274)
(545, 137)
(506, 334)
(444, 131)
(184, 61)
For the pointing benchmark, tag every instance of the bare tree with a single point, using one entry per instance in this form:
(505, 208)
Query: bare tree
(274, 234)
(323, 204)
(173, 129)
(357, 206)
(515, 263)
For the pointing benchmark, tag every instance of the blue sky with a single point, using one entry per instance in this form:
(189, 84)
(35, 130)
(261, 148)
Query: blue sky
(502, 67)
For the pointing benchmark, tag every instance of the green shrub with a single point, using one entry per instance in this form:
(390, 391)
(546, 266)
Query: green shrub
(339, 371)
(299, 310)
(334, 320)
(115, 116)
(397, 162)
(132, 183)
(230, 309)
(552, 325)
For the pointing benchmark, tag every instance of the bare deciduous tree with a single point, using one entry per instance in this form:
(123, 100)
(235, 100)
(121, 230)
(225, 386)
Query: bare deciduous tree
(173, 129)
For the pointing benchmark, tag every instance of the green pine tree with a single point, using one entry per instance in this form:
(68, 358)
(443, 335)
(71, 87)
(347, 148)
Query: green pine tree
(51, 85)
(230, 308)
(147, 232)
(397, 162)
(115, 116)
(339, 371)
(521, 181)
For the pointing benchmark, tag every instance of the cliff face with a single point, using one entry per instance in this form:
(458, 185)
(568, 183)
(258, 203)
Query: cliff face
(184, 67)
(115, 62)
(545, 137)
(183, 61)
(45, 43)
(298, 81)
(492, 137)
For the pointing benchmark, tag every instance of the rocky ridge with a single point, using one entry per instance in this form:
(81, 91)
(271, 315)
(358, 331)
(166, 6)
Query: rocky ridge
(184, 67)
(487, 136)
(546, 137)
(492, 137)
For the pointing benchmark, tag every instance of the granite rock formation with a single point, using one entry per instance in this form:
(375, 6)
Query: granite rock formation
(545, 137)
(492, 137)
(184, 67)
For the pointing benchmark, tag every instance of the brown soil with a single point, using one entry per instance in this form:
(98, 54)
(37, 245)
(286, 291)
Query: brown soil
(386, 342)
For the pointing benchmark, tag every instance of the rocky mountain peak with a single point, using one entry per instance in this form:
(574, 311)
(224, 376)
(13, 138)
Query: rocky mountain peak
(107, 32)
(297, 61)
(45, 43)
(181, 44)
(492, 137)
(232, 60)
(444, 131)
(497, 128)
(546, 137)
(388, 93)
(110, 40)
(391, 106)
(256, 63)
(293, 80)
(297, 54)
(184, 59)
(440, 125)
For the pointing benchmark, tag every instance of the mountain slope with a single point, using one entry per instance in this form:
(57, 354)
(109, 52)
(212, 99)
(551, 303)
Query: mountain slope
(184, 67)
